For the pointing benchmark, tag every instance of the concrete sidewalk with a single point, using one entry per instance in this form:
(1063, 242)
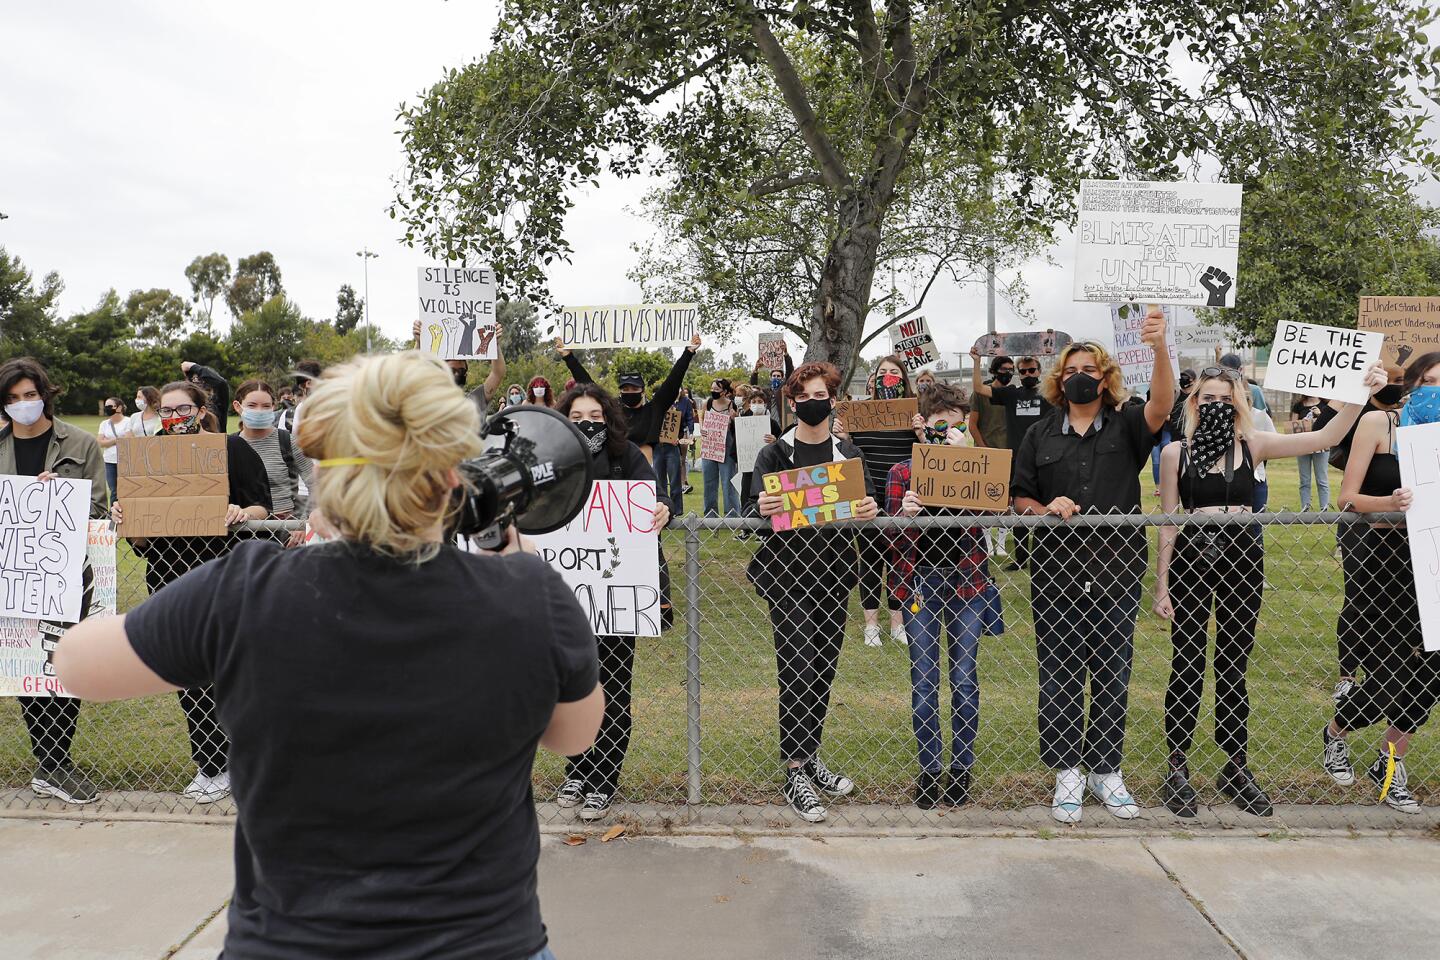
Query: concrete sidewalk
(86, 890)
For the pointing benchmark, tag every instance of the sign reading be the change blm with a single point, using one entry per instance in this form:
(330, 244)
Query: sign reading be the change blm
(457, 312)
(641, 325)
(1324, 362)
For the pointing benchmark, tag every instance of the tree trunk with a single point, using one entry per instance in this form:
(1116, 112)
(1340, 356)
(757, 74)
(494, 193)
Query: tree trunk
(837, 324)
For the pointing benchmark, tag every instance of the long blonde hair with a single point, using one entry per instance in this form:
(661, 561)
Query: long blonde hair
(1112, 381)
(403, 413)
(1240, 397)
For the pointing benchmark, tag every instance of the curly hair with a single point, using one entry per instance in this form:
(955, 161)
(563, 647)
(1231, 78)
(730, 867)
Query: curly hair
(1112, 381)
(942, 396)
(617, 440)
(809, 371)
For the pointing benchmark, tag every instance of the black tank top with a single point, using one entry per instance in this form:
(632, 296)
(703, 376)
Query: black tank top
(1382, 477)
(1212, 489)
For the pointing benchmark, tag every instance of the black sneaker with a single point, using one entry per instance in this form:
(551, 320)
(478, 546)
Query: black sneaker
(803, 799)
(595, 807)
(1238, 783)
(957, 791)
(1179, 796)
(832, 783)
(927, 790)
(1336, 758)
(571, 793)
(64, 783)
(1399, 798)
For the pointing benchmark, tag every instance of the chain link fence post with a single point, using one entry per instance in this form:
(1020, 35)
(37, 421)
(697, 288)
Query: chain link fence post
(692, 660)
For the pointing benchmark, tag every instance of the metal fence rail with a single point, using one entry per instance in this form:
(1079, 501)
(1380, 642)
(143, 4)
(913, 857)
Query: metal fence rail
(707, 709)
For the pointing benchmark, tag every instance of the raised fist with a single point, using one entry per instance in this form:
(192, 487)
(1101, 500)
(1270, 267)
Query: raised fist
(1216, 283)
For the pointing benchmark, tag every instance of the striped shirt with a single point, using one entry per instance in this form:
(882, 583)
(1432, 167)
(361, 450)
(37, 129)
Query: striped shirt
(883, 449)
(282, 485)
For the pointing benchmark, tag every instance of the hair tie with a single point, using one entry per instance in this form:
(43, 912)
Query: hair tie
(344, 462)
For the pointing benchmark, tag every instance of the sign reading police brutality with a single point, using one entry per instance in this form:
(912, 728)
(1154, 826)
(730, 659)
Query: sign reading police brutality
(457, 312)
(641, 325)
(866, 415)
(1411, 325)
(1157, 242)
(1325, 362)
(610, 559)
(977, 478)
(1137, 359)
(913, 343)
(817, 495)
(174, 486)
(42, 547)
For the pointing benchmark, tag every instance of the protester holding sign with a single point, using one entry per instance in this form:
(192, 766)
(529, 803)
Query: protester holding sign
(717, 462)
(1085, 582)
(759, 405)
(806, 576)
(777, 375)
(460, 369)
(36, 444)
(167, 559)
(643, 417)
(941, 578)
(1402, 679)
(1212, 470)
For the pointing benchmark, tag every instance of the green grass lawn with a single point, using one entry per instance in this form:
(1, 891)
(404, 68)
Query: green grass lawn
(142, 745)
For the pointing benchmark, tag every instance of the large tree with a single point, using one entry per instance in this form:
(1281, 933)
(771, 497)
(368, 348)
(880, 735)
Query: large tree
(349, 310)
(1042, 94)
(256, 282)
(158, 317)
(209, 276)
(27, 312)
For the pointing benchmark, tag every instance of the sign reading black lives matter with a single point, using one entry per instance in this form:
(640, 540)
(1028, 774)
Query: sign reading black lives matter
(1173, 243)
(43, 531)
(1324, 362)
(457, 312)
(643, 326)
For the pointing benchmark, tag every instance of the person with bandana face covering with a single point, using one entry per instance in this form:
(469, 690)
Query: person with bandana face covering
(183, 411)
(1085, 581)
(1211, 469)
(1402, 679)
(592, 778)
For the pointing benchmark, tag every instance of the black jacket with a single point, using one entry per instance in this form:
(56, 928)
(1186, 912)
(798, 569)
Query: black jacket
(646, 419)
(635, 467)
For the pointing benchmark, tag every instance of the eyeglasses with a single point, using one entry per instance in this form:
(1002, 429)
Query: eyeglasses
(184, 410)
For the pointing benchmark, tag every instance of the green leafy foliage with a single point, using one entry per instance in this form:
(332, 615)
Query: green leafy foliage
(349, 310)
(209, 276)
(256, 282)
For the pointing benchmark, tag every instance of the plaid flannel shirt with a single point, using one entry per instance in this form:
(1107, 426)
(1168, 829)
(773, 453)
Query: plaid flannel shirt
(967, 555)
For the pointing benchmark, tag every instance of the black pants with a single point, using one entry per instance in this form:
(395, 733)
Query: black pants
(1402, 680)
(872, 571)
(1349, 632)
(1231, 575)
(809, 631)
(50, 722)
(209, 747)
(599, 767)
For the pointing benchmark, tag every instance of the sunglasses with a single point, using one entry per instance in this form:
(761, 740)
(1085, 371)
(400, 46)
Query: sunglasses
(1221, 372)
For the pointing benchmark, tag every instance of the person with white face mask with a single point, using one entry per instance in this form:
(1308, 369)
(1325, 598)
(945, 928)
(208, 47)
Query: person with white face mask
(514, 396)
(145, 421)
(255, 403)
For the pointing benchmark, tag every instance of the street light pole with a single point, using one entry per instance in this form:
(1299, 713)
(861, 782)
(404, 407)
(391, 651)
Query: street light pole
(366, 255)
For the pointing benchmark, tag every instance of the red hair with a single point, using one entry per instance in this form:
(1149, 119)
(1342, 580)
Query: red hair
(809, 371)
(539, 382)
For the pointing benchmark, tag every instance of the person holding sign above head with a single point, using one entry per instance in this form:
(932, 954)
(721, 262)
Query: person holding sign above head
(1211, 469)
(775, 378)
(806, 575)
(183, 412)
(1025, 405)
(643, 417)
(1085, 581)
(34, 443)
(942, 580)
(1402, 679)
(460, 369)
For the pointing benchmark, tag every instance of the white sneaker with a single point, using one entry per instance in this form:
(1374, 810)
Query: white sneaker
(571, 794)
(205, 789)
(872, 635)
(1069, 795)
(897, 633)
(1342, 690)
(1109, 789)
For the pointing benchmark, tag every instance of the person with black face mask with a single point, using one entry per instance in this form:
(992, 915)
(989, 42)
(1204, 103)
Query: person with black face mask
(643, 418)
(806, 576)
(1085, 581)
(592, 778)
(460, 370)
(988, 429)
(1211, 469)
(775, 379)
(1024, 406)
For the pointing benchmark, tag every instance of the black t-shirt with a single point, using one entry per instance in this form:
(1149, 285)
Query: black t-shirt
(1023, 409)
(811, 454)
(383, 719)
(30, 453)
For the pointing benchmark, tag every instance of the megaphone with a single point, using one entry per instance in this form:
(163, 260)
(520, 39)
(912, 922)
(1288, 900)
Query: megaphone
(535, 474)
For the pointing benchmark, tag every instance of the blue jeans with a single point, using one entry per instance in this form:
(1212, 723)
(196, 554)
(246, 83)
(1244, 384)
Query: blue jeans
(965, 619)
(670, 475)
(1320, 464)
(1155, 455)
(544, 955)
(717, 476)
(112, 472)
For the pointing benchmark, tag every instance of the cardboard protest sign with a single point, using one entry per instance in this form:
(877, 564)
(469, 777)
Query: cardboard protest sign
(1137, 359)
(750, 434)
(645, 326)
(976, 478)
(42, 547)
(174, 486)
(457, 312)
(817, 495)
(865, 415)
(713, 430)
(1411, 325)
(772, 351)
(913, 343)
(1023, 343)
(610, 559)
(670, 426)
(1157, 242)
(1325, 362)
(27, 646)
(1418, 449)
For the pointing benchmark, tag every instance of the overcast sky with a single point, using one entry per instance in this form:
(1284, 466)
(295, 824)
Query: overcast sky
(142, 134)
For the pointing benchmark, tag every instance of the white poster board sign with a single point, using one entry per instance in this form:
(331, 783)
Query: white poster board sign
(644, 326)
(457, 312)
(1157, 242)
(750, 434)
(1419, 450)
(1324, 362)
(609, 557)
(913, 343)
(1137, 359)
(42, 547)
(1197, 337)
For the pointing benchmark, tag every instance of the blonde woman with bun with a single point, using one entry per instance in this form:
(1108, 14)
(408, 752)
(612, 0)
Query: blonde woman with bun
(384, 692)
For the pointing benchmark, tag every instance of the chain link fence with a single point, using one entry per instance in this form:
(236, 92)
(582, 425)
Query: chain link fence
(966, 687)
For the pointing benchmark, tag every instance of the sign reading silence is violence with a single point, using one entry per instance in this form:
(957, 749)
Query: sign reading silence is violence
(812, 496)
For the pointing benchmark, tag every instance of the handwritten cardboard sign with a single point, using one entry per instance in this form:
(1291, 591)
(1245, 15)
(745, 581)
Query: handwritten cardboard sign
(913, 343)
(772, 352)
(976, 478)
(641, 325)
(1325, 362)
(670, 426)
(713, 430)
(817, 495)
(174, 486)
(457, 312)
(610, 559)
(866, 415)
(1418, 449)
(750, 434)
(42, 547)
(1411, 325)
(1136, 358)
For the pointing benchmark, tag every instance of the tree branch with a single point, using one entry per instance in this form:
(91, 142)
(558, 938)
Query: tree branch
(939, 266)
(780, 182)
(832, 169)
(650, 96)
(872, 57)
